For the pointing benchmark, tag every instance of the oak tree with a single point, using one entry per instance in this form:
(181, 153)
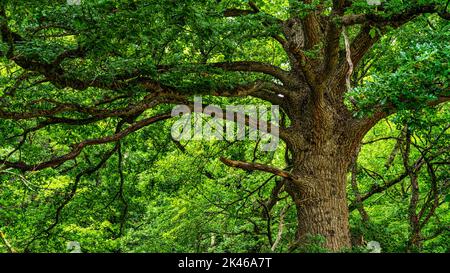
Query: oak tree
(119, 64)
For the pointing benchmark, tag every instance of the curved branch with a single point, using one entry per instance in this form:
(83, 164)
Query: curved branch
(78, 148)
(252, 66)
(387, 110)
(257, 167)
(233, 12)
(394, 19)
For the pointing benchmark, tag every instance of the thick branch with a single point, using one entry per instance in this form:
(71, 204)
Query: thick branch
(394, 19)
(252, 66)
(385, 111)
(233, 12)
(257, 167)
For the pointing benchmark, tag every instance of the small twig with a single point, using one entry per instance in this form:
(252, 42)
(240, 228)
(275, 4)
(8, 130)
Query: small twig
(7, 244)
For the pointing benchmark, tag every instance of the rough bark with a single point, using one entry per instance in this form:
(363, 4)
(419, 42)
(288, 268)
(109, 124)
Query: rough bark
(322, 152)
(320, 199)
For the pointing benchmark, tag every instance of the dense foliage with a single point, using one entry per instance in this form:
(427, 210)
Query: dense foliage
(82, 72)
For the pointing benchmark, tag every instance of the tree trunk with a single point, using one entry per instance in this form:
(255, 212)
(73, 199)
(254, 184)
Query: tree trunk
(320, 198)
(322, 152)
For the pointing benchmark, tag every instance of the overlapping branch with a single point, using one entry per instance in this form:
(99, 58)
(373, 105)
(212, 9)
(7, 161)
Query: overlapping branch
(234, 12)
(79, 147)
(258, 167)
(394, 19)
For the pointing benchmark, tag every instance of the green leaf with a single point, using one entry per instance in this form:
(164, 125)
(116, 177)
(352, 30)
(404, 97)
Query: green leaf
(373, 32)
